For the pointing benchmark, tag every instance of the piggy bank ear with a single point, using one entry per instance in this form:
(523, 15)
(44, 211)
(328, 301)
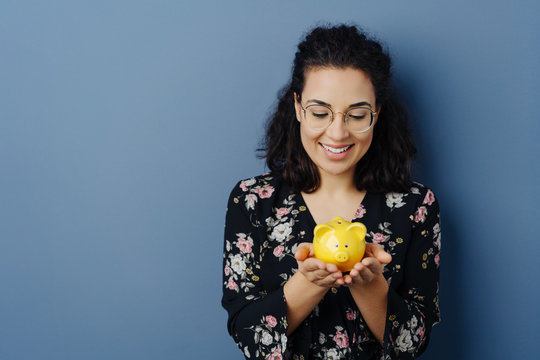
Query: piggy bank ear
(321, 229)
(359, 229)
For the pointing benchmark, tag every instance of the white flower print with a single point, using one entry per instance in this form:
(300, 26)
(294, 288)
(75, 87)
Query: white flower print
(266, 338)
(332, 354)
(281, 232)
(250, 182)
(251, 199)
(404, 340)
(437, 236)
(414, 322)
(284, 341)
(238, 264)
(394, 200)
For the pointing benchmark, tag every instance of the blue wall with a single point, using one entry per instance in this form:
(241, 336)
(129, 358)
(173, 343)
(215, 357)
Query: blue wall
(124, 125)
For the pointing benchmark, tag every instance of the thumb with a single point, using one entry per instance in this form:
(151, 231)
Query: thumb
(377, 251)
(303, 251)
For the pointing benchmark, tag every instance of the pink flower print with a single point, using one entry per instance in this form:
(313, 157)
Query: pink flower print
(282, 211)
(430, 198)
(265, 192)
(379, 238)
(437, 259)
(421, 332)
(227, 270)
(420, 215)
(275, 355)
(244, 245)
(271, 320)
(231, 285)
(360, 212)
(350, 315)
(341, 339)
(278, 250)
(243, 185)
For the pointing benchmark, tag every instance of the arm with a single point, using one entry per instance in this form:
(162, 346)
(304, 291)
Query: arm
(256, 318)
(259, 321)
(401, 319)
(369, 288)
(413, 308)
(306, 288)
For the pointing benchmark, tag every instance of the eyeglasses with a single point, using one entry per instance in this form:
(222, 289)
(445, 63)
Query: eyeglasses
(357, 119)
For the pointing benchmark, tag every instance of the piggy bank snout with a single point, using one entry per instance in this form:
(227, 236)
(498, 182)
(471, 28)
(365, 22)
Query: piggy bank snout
(341, 256)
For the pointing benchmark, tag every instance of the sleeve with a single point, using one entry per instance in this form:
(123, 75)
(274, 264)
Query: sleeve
(256, 318)
(413, 308)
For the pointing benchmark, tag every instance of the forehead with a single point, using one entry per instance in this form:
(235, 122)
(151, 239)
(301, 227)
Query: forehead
(338, 86)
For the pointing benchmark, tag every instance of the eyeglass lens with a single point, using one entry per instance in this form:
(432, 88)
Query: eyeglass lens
(357, 119)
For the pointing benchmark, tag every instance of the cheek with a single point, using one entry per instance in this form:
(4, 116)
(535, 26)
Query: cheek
(307, 138)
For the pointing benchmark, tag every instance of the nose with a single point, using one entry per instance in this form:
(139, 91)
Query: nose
(342, 256)
(338, 129)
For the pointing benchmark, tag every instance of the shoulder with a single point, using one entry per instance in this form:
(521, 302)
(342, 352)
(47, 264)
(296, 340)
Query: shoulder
(255, 190)
(417, 196)
(262, 185)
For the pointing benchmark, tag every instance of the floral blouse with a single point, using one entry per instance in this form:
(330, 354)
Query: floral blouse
(266, 221)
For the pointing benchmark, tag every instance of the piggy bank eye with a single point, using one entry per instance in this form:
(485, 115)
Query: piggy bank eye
(346, 245)
(337, 244)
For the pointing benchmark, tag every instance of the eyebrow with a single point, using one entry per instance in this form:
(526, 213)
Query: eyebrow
(320, 102)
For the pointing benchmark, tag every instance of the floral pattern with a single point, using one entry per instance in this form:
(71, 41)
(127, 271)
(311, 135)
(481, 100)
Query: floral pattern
(267, 219)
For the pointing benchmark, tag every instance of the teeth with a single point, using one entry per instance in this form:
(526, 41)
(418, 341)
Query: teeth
(334, 150)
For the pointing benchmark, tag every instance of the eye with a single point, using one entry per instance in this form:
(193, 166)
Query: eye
(320, 115)
(337, 244)
(319, 112)
(359, 114)
(346, 245)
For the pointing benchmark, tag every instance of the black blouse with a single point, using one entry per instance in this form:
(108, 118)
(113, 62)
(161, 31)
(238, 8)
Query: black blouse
(267, 219)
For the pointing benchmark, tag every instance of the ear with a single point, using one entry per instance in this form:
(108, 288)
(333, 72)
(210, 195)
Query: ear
(378, 112)
(321, 229)
(297, 108)
(359, 229)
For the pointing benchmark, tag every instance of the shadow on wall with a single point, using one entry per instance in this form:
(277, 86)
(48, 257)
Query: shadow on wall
(448, 338)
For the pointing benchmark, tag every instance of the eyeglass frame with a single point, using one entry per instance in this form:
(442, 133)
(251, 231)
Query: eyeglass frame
(345, 116)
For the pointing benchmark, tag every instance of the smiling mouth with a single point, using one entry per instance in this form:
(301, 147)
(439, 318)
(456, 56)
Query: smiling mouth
(336, 150)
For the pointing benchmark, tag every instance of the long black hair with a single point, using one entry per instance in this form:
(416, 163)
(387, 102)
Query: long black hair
(386, 166)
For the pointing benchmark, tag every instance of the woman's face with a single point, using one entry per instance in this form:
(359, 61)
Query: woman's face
(341, 89)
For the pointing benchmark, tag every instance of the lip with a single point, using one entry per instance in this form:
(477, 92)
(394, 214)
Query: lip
(338, 156)
(336, 146)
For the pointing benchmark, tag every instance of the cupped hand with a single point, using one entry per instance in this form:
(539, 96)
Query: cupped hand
(371, 266)
(315, 270)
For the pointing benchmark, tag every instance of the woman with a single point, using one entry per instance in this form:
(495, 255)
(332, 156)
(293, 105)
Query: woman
(337, 145)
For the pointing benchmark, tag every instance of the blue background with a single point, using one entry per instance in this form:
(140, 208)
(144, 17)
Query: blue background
(125, 124)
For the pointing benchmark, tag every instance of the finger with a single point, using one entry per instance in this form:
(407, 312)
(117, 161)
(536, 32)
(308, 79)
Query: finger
(331, 268)
(377, 251)
(327, 280)
(303, 251)
(314, 264)
(373, 265)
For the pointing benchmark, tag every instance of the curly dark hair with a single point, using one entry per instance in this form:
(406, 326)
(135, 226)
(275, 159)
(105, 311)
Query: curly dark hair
(386, 166)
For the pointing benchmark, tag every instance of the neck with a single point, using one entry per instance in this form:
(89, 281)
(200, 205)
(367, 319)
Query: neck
(336, 184)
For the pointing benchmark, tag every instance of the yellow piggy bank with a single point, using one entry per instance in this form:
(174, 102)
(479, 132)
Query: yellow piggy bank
(340, 242)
